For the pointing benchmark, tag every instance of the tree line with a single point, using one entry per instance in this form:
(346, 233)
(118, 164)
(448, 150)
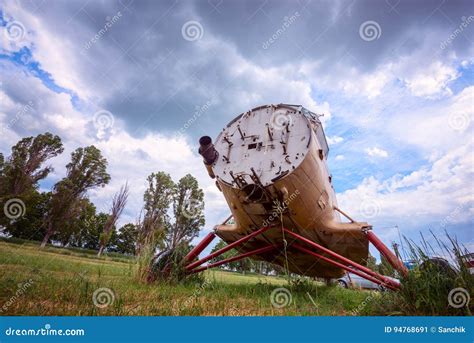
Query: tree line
(172, 213)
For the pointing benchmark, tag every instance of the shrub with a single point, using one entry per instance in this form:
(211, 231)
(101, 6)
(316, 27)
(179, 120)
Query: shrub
(436, 286)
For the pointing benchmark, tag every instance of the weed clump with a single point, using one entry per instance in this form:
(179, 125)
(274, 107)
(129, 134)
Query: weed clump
(435, 286)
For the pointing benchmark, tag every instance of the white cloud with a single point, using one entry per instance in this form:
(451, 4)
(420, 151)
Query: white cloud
(436, 127)
(361, 92)
(332, 140)
(423, 196)
(130, 159)
(431, 80)
(369, 85)
(376, 152)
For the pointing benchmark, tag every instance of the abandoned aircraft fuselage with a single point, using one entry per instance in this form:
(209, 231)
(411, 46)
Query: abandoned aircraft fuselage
(271, 165)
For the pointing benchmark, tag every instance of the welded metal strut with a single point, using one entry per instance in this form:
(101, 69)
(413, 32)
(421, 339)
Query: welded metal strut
(329, 256)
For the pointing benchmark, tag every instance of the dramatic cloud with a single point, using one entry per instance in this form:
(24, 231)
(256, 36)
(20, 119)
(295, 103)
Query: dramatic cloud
(142, 80)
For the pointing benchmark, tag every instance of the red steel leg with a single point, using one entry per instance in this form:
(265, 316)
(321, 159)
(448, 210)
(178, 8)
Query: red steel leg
(200, 247)
(360, 270)
(390, 256)
(343, 259)
(340, 265)
(226, 248)
(235, 258)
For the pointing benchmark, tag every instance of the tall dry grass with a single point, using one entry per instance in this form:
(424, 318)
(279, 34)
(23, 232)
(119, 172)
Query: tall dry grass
(437, 286)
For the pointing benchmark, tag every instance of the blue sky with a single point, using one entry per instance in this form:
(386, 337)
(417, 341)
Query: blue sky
(394, 80)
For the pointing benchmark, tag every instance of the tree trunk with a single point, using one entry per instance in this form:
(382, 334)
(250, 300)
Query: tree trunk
(48, 234)
(101, 250)
(45, 239)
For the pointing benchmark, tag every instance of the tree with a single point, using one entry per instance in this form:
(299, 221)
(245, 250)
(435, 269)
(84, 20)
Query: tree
(118, 204)
(188, 207)
(242, 265)
(385, 267)
(371, 263)
(90, 237)
(2, 164)
(32, 207)
(19, 177)
(87, 170)
(172, 237)
(228, 254)
(157, 200)
(76, 228)
(127, 239)
(23, 169)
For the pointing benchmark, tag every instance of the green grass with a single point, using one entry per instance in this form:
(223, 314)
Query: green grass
(63, 282)
(434, 287)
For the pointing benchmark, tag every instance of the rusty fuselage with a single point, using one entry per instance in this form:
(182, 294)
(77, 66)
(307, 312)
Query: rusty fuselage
(271, 165)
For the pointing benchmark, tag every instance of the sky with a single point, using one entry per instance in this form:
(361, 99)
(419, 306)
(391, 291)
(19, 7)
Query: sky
(143, 80)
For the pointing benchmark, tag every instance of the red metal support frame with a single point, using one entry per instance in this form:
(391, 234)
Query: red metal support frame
(226, 248)
(235, 258)
(343, 262)
(343, 259)
(200, 247)
(390, 256)
(340, 265)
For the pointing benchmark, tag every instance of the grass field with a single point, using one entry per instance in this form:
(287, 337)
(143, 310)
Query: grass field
(57, 281)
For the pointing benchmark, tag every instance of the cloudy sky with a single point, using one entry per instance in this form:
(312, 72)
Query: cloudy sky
(142, 80)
